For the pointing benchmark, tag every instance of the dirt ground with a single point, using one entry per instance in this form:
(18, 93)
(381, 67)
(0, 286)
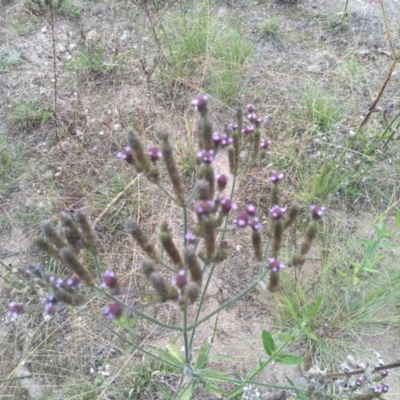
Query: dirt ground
(69, 357)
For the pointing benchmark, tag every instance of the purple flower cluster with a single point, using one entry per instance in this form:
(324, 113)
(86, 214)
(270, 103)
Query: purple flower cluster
(154, 153)
(222, 139)
(317, 211)
(276, 176)
(204, 207)
(227, 204)
(190, 238)
(249, 218)
(207, 156)
(126, 154)
(15, 310)
(275, 265)
(49, 303)
(113, 310)
(277, 212)
(200, 102)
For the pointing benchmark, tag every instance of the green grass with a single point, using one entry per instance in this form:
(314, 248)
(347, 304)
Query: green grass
(319, 109)
(8, 60)
(270, 26)
(328, 306)
(203, 48)
(30, 115)
(91, 64)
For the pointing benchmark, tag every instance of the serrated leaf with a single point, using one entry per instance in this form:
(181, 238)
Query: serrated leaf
(268, 342)
(202, 358)
(315, 309)
(213, 388)
(165, 392)
(288, 359)
(175, 352)
(167, 358)
(188, 392)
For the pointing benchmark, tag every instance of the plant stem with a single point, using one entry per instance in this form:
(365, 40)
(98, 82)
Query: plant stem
(136, 311)
(98, 269)
(203, 295)
(123, 338)
(169, 194)
(185, 337)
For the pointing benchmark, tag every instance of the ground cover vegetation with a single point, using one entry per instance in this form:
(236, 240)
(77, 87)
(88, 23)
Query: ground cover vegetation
(199, 200)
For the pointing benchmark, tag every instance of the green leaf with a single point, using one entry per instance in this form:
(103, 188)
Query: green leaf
(188, 392)
(268, 342)
(165, 392)
(315, 309)
(288, 359)
(173, 349)
(286, 338)
(167, 358)
(398, 219)
(202, 358)
(213, 388)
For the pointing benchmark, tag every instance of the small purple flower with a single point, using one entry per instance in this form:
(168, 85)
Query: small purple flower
(250, 108)
(251, 210)
(248, 129)
(276, 176)
(153, 153)
(385, 388)
(242, 220)
(233, 127)
(190, 238)
(317, 211)
(113, 310)
(79, 245)
(277, 212)
(385, 373)
(275, 265)
(222, 181)
(49, 309)
(359, 381)
(200, 101)
(377, 389)
(51, 299)
(126, 154)
(254, 119)
(216, 137)
(204, 207)
(74, 282)
(57, 282)
(180, 279)
(255, 224)
(226, 140)
(206, 156)
(15, 310)
(227, 204)
(109, 280)
(265, 144)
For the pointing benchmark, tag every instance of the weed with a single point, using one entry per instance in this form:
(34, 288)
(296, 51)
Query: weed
(202, 46)
(90, 64)
(29, 115)
(270, 26)
(320, 109)
(8, 60)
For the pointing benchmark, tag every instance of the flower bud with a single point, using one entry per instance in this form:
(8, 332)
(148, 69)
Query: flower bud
(148, 268)
(192, 291)
(169, 246)
(139, 154)
(73, 263)
(52, 235)
(180, 279)
(90, 239)
(193, 264)
(222, 181)
(141, 239)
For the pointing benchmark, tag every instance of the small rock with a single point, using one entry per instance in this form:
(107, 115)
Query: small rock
(92, 36)
(44, 30)
(60, 48)
(48, 175)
